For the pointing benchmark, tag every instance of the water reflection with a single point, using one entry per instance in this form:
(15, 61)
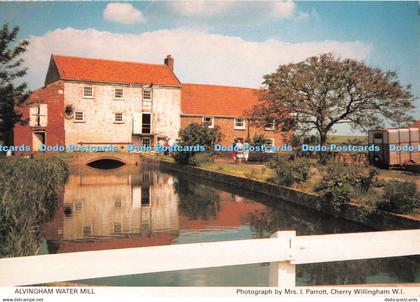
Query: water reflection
(115, 209)
(145, 206)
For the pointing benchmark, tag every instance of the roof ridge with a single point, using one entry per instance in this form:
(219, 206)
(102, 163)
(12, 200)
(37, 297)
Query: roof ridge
(223, 86)
(103, 70)
(106, 60)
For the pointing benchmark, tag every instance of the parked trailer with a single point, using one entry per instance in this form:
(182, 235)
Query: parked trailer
(398, 147)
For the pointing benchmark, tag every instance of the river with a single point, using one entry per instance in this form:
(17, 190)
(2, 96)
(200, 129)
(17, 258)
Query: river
(147, 206)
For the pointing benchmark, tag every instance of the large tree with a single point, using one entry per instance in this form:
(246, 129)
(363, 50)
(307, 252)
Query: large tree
(323, 91)
(12, 92)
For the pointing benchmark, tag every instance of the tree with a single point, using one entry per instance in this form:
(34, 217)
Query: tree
(196, 135)
(323, 91)
(12, 94)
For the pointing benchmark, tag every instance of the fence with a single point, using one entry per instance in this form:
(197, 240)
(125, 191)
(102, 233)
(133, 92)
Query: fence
(284, 250)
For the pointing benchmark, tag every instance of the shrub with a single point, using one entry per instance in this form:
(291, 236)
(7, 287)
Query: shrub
(196, 135)
(197, 201)
(260, 140)
(200, 159)
(289, 170)
(398, 197)
(28, 197)
(342, 182)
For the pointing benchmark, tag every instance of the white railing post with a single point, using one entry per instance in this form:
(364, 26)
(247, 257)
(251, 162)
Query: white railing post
(283, 273)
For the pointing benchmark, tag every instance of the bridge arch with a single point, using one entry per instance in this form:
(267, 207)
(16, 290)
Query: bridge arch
(106, 162)
(92, 158)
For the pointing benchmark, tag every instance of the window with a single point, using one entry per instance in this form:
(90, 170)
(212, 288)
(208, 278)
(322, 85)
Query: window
(68, 210)
(147, 94)
(87, 231)
(117, 202)
(117, 228)
(145, 196)
(377, 135)
(38, 115)
(119, 93)
(146, 123)
(209, 121)
(239, 123)
(79, 116)
(146, 177)
(270, 125)
(87, 91)
(78, 205)
(118, 118)
(146, 141)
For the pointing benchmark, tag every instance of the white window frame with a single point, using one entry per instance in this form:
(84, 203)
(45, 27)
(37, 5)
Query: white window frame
(117, 121)
(147, 90)
(239, 127)
(211, 125)
(272, 144)
(115, 90)
(146, 137)
(38, 115)
(273, 127)
(83, 117)
(88, 96)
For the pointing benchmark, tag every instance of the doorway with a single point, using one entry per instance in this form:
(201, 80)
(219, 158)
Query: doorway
(38, 139)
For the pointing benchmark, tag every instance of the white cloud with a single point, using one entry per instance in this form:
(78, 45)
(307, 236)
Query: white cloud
(232, 11)
(305, 16)
(282, 9)
(200, 8)
(124, 13)
(200, 57)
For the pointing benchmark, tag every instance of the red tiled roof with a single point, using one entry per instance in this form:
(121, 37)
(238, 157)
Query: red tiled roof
(217, 100)
(87, 69)
(416, 124)
(231, 214)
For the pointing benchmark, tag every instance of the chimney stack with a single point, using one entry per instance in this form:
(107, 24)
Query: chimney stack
(169, 61)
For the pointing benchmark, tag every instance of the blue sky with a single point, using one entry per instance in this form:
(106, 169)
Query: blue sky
(231, 43)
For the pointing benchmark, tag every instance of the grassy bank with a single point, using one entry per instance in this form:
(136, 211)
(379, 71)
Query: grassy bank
(29, 192)
(337, 183)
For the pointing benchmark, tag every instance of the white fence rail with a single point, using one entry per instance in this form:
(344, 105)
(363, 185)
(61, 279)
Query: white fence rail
(283, 250)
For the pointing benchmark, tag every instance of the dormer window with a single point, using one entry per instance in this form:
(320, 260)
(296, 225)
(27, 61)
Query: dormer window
(88, 92)
(119, 93)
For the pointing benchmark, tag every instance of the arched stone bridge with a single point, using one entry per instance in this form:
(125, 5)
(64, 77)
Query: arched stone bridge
(86, 158)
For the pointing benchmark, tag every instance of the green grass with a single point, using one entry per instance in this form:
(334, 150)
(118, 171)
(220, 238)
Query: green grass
(28, 197)
(344, 139)
(260, 173)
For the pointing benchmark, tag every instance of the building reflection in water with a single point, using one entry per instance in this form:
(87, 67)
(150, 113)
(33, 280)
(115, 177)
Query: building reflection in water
(142, 206)
(127, 207)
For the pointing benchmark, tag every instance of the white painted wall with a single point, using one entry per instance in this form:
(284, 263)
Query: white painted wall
(99, 125)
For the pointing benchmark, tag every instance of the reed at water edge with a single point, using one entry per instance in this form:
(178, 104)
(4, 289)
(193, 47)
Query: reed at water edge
(29, 194)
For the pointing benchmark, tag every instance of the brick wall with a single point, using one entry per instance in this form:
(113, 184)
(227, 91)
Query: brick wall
(229, 133)
(53, 96)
